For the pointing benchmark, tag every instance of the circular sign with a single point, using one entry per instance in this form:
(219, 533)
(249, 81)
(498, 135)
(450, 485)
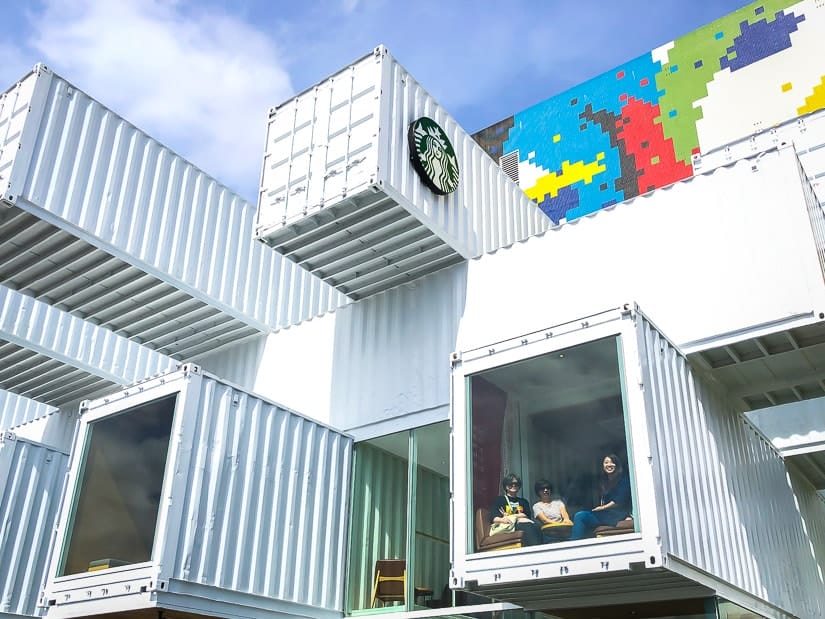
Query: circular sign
(433, 156)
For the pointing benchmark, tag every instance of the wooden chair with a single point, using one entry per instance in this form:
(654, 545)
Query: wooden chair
(390, 583)
(502, 541)
(622, 527)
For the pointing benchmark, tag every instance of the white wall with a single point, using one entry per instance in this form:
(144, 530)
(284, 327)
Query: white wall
(718, 253)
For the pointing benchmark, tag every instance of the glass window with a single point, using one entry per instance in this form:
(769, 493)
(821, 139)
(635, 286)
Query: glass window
(116, 506)
(557, 422)
(399, 554)
(378, 522)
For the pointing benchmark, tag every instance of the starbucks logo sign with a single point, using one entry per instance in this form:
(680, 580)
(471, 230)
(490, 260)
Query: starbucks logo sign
(433, 156)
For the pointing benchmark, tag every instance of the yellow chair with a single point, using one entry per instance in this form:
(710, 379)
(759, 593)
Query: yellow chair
(556, 531)
(390, 583)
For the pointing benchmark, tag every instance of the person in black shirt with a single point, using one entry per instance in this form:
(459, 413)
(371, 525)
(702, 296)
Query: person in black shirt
(511, 504)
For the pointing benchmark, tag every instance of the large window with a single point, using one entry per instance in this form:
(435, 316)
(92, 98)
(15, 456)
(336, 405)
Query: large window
(116, 505)
(553, 419)
(399, 533)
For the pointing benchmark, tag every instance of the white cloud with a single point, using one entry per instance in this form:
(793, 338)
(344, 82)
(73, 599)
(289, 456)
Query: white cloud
(201, 81)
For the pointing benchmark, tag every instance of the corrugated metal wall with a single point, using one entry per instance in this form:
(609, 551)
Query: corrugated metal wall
(808, 137)
(94, 170)
(266, 505)
(392, 351)
(348, 136)
(16, 409)
(375, 360)
(60, 335)
(239, 364)
(811, 507)
(14, 104)
(815, 214)
(31, 481)
(488, 211)
(724, 499)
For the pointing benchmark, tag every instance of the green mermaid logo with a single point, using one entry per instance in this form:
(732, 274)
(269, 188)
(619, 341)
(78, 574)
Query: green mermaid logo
(432, 156)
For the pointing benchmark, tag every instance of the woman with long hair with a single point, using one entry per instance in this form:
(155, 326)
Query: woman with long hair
(615, 500)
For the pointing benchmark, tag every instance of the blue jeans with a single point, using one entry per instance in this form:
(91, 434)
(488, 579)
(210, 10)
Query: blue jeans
(585, 522)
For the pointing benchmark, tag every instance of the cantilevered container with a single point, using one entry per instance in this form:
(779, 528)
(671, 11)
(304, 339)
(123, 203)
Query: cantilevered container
(341, 196)
(715, 510)
(251, 505)
(164, 250)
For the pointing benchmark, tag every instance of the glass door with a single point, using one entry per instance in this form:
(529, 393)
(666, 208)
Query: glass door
(399, 555)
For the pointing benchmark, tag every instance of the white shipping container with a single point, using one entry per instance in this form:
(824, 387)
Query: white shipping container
(251, 504)
(72, 162)
(714, 509)
(534, 576)
(31, 484)
(54, 357)
(728, 511)
(340, 195)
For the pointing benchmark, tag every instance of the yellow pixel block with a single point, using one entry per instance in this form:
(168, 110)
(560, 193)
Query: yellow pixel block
(816, 101)
(570, 173)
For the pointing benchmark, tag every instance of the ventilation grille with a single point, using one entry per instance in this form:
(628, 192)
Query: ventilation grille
(509, 163)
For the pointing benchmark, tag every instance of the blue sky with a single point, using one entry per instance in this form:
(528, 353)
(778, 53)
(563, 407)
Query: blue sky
(200, 75)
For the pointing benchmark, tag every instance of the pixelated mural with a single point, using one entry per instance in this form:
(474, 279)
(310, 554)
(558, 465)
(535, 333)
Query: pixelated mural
(635, 128)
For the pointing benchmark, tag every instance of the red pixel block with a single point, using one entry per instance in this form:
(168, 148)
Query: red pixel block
(640, 127)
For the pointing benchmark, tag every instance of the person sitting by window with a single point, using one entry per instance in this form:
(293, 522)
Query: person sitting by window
(615, 504)
(512, 508)
(549, 510)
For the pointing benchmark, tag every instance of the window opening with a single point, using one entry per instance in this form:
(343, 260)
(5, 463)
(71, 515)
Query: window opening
(115, 507)
(555, 426)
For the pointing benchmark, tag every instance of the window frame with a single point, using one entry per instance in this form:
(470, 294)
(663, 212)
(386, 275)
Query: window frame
(169, 511)
(77, 489)
(478, 360)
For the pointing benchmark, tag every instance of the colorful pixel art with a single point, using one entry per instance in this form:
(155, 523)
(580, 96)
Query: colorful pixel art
(636, 128)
